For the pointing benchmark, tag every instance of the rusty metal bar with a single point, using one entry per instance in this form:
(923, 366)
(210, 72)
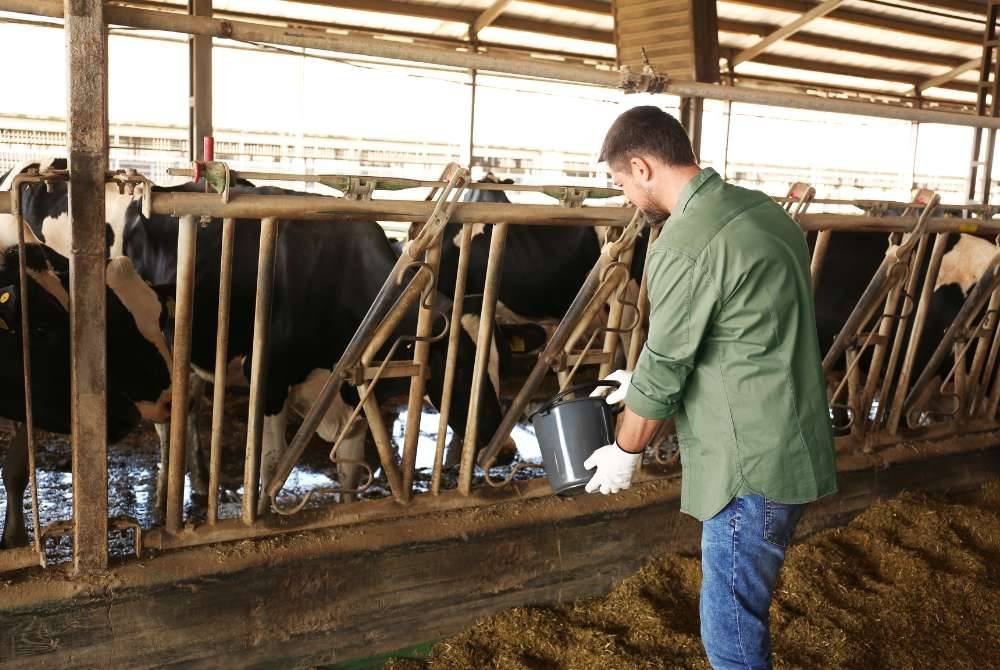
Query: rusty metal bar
(380, 308)
(638, 338)
(554, 349)
(901, 335)
(612, 337)
(87, 121)
(454, 334)
(919, 319)
(29, 420)
(187, 239)
(221, 366)
(200, 60)
(421, 354)
(819, 256)
(494, 269)
(254, 469)
(974, 302)
(985, 333)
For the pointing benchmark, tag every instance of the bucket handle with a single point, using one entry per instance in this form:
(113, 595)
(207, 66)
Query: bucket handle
(576, 388)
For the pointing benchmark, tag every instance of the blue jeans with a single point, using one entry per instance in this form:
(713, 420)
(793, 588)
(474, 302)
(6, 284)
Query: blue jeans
(742, 550)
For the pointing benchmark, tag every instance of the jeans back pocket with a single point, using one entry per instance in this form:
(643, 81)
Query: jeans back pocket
(780, 520)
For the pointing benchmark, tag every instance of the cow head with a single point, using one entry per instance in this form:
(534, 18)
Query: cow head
(49, 341)
(138, 358)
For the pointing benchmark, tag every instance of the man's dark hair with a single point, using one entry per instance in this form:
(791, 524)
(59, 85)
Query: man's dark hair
(649, 131)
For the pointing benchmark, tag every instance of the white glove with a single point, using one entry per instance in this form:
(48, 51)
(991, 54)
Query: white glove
(614, 469)
(623, 377)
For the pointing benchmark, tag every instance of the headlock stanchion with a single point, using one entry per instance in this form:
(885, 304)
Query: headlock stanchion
(874, 358)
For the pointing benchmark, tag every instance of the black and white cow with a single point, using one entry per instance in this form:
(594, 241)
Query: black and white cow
(138, 365)
(326, 277)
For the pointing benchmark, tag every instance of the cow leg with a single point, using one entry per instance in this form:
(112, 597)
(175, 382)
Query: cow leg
(15, 481)
(273, 447)
(163, 434)
(195, 454)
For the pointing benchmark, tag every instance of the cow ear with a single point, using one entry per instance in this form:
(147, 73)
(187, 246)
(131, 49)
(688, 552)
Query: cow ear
(10, 313)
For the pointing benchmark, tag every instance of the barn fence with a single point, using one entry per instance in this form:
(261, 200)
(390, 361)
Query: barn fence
(878, 397)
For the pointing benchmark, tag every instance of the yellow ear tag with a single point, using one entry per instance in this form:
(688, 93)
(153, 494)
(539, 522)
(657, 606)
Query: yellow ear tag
(171, 307)
(5, 297)
(3, 324)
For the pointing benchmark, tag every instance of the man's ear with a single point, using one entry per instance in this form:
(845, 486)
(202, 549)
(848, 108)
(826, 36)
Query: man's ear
(642, 171)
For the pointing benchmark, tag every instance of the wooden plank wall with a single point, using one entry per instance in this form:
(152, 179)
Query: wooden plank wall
(680, 37)
(349, 594)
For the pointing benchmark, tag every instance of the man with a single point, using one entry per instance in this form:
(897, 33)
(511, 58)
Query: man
(732, 354)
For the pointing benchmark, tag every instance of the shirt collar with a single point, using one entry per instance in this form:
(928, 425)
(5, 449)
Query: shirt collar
(692, 187)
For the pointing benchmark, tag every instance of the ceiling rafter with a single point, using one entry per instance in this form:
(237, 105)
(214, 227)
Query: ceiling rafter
(873, 20)
(839, 44)
(786, 31)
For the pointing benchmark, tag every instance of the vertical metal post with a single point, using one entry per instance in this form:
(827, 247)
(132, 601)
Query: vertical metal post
(200, 60)
(258, 368)
(472, 119)
(691, 117)
(612, 337)
(639, 334)
(421, 354)
(911, 172)
(187, 238)
(221, 366)
(727, 126)
(498, 243)
(455, 332)
(919, 319)
(87, 119)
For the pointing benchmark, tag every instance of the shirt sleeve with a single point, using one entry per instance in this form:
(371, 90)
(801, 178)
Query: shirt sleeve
(683, 306)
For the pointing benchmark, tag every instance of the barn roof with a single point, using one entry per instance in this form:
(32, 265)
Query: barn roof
(898, 49)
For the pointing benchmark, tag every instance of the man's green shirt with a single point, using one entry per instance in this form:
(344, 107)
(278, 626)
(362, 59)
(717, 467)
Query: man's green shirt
(732, 351)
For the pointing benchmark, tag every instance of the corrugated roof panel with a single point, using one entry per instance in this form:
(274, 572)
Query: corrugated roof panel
(561, 15)
(534, 40)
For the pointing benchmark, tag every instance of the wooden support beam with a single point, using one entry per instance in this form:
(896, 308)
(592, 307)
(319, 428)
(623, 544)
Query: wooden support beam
(786, 30)
(488, 16)
(838, 44)
(949, 76)
(827, 67)
(873, 20)
(87, 125)
(200, 49)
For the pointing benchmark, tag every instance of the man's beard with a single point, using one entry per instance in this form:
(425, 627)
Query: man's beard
(652, 213)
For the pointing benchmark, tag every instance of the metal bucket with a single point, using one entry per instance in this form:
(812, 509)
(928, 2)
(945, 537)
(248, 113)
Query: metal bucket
(569, 431)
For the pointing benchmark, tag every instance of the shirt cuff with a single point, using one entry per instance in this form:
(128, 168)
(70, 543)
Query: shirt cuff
(647, 407)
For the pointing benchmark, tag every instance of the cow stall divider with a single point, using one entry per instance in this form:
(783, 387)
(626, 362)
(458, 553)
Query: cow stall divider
(872, 361)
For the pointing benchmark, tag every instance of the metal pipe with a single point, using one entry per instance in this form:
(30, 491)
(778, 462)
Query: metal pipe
(258, 372)
(900, 335)
(638, 338)
(421, 355)
(919, 319)
(187, 239)
(454, 334)
(819, 256)
(975, 301)
(612, 337)
(990, 373)
(557, 341)
(987, 330)
(353, 44)
(221, 366)
(383, 443)
(494, 269)
(200, 84)
(380, 308)
(29, 414)
(87, 119)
